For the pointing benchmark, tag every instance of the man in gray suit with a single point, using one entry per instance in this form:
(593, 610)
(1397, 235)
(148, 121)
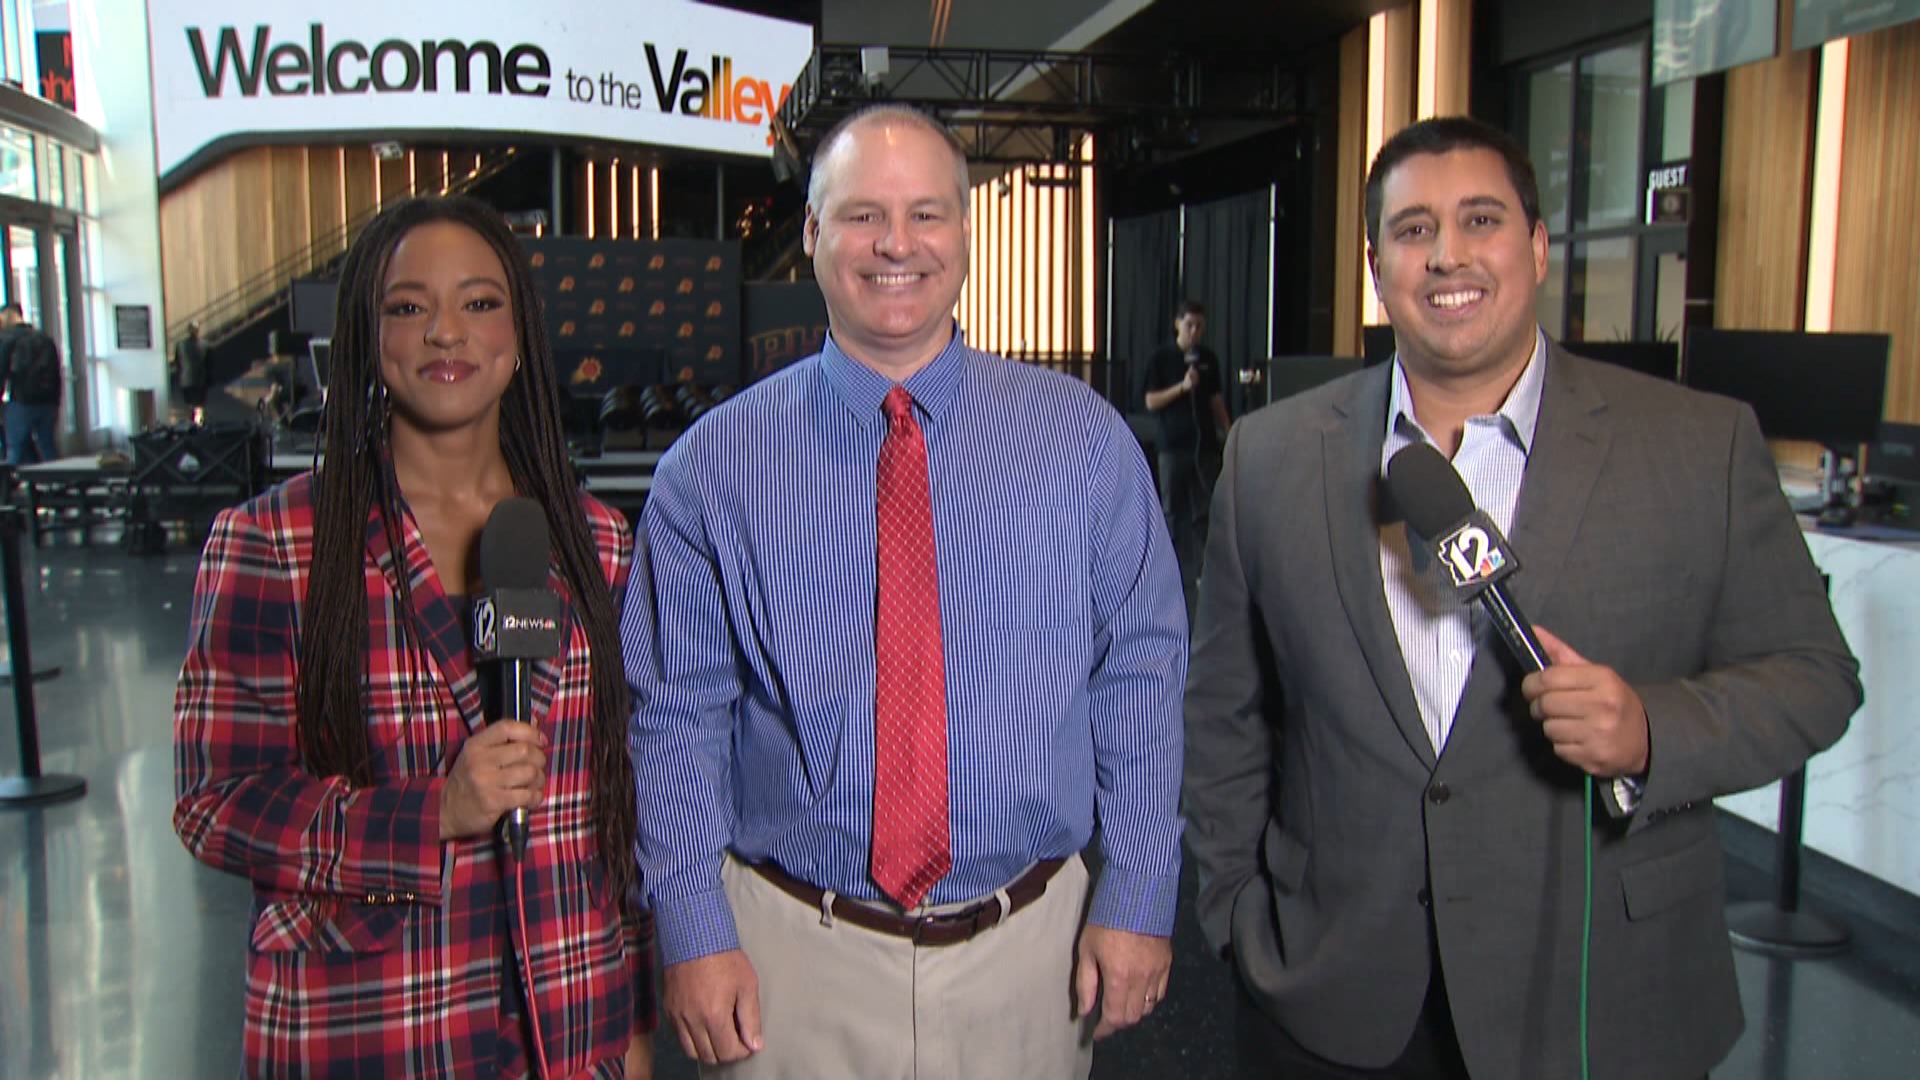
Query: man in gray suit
(1389, 819)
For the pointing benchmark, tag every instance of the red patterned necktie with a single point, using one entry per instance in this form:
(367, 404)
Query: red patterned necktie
(911, 847)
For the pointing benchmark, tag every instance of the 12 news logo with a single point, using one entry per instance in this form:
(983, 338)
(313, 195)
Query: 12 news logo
(483, 625)
(1472, 556)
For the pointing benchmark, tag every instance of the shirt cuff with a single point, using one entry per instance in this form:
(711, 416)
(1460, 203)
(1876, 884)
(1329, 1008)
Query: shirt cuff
(1627, 791)
(1134, 902)
(694, 925)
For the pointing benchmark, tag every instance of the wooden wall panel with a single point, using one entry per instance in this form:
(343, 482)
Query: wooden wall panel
(1399, 81)
(1350, 237)
(429, 171)
(396, 179)
(253, 211)
(326, 188)
(289, 202)
(1766, 163)
(360, 164)
(1876, 283)
(1452, 55)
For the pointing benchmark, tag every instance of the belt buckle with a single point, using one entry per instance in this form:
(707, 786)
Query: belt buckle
(966, 921)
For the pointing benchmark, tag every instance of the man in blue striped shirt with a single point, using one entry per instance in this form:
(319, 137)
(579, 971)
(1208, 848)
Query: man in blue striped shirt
(750, 642)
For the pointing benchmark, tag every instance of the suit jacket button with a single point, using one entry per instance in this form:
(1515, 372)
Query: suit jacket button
(1438, 794)
(1425, 897)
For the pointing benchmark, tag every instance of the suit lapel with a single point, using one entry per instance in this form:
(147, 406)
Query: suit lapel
(1570, 446)
(546, 673)
(443, 636)
(1351, 446)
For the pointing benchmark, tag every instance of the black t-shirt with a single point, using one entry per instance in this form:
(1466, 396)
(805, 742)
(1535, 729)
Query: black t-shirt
(1187, 424)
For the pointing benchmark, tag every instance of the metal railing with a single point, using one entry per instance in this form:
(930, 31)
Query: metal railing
(268, 289)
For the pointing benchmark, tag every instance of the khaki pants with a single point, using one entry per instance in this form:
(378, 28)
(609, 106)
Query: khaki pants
(841, 1003)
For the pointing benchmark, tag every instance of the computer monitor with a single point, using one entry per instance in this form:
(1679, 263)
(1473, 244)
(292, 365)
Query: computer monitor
(1290, 375)
(1824, 388)
(1660, 359)
(311, 306)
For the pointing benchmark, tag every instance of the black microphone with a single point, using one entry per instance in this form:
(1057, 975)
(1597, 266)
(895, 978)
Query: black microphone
(1437, 506)
(516, 618)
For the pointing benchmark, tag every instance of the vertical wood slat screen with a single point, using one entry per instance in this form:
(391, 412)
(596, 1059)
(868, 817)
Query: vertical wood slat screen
(1030, 290)
(1876, 283)
(1766, 166)
(289, 198)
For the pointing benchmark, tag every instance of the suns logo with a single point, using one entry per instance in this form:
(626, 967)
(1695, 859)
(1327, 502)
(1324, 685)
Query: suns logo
(685, 287)
(657, 309)
(626, 284)
(539, 259)
(626, 329)
(589, 370)
(713, 310)
(596, 262)
(566, 328)
(566, 283)
(713, 263)
(656, 262)
(598, 307)
(686, 329)
(713, 353)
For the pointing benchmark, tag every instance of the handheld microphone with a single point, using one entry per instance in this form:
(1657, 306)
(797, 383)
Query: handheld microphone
(516, 618)
(1437, 506)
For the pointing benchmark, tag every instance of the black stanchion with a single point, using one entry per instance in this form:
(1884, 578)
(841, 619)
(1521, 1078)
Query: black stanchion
(32, 787)
(1778, 927)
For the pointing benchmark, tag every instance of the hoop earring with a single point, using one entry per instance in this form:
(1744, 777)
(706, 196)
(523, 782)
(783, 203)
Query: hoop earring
(516, 363)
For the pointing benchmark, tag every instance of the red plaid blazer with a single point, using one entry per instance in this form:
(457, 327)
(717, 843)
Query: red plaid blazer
(378, 950)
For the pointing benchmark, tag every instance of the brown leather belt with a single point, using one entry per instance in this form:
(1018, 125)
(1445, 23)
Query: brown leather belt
(951, 928)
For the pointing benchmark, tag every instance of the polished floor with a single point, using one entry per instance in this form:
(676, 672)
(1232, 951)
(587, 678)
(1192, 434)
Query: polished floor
(121, 957)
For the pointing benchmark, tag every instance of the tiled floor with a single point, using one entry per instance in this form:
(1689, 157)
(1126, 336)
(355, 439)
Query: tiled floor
(121, 957)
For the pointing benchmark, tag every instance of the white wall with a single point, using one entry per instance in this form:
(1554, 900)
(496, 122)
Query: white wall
(113, 92)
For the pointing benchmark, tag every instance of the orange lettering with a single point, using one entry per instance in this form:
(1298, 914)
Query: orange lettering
(749, 97)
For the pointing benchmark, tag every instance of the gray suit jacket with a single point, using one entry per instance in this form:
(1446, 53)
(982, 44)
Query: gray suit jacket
(1653, 538)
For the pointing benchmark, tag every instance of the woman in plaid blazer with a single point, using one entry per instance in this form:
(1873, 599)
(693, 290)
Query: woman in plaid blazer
(331, 741)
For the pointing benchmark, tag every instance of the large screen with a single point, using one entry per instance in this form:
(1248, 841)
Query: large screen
(1824, 388)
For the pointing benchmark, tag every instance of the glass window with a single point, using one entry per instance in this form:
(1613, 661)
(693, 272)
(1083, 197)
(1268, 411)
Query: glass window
(16, 164)
(1600, 300)
(1669, 296)
(24, 251)
(1672, 118)
(1550, 303)
(55, 173)
(1608, 118)
(13, 56)
(1550, 140)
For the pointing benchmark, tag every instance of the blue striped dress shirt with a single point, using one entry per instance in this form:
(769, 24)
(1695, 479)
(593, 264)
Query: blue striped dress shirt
(748, 636)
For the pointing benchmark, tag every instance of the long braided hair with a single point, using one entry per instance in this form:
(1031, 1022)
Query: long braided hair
(351, 482)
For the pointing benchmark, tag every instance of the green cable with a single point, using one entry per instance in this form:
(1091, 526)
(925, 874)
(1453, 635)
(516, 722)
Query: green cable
(1586, 926)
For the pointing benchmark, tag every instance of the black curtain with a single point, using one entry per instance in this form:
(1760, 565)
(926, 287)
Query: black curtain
(1146, 285)
(1226, 269)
